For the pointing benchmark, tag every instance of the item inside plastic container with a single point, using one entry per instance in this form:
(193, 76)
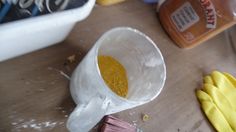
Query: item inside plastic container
(12, 10)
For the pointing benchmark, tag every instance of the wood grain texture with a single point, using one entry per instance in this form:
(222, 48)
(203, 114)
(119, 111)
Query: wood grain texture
(34, 93)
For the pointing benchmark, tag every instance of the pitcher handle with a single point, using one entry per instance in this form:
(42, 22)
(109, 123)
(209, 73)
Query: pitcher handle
(86, 116)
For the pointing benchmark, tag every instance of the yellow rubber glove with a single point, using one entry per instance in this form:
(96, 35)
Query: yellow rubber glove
(214, 115)
(218, 100)
(225, 86)
(230, 78)
(222, 104)
(208, 79)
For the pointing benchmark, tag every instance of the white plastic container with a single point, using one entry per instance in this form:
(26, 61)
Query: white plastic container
(27, 35)
(146, 73)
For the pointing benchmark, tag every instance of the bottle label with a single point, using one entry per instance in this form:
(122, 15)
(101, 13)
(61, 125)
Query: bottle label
(210, 13)
(184, 17)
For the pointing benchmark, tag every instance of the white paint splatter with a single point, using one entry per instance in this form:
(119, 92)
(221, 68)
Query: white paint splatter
(36, 125)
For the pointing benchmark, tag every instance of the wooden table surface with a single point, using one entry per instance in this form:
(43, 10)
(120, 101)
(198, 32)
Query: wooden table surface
(34, 95)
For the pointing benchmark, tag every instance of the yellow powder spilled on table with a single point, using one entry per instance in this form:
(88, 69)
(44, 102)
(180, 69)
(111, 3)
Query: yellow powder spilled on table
(114, 74)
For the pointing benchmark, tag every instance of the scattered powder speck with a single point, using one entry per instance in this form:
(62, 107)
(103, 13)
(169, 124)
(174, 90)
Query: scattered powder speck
(71, 58)
(41, 90)
(49, 124)
(58, 108)
(60, 123)
(63, 111)
(66, 115)
(24, 126)
(132, 113)
(14, 123)
(36, 125)
(134, 124)
(33, 125)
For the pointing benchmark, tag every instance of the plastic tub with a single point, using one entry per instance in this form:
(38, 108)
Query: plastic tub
(27, 35)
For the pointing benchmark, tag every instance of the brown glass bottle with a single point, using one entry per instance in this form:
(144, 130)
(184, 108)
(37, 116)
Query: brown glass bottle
(191, 22)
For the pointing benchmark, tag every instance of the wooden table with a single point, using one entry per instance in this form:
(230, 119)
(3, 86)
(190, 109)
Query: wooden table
(34, 93)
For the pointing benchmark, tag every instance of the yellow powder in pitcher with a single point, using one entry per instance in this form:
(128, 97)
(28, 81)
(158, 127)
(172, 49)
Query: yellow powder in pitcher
(114, 74)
